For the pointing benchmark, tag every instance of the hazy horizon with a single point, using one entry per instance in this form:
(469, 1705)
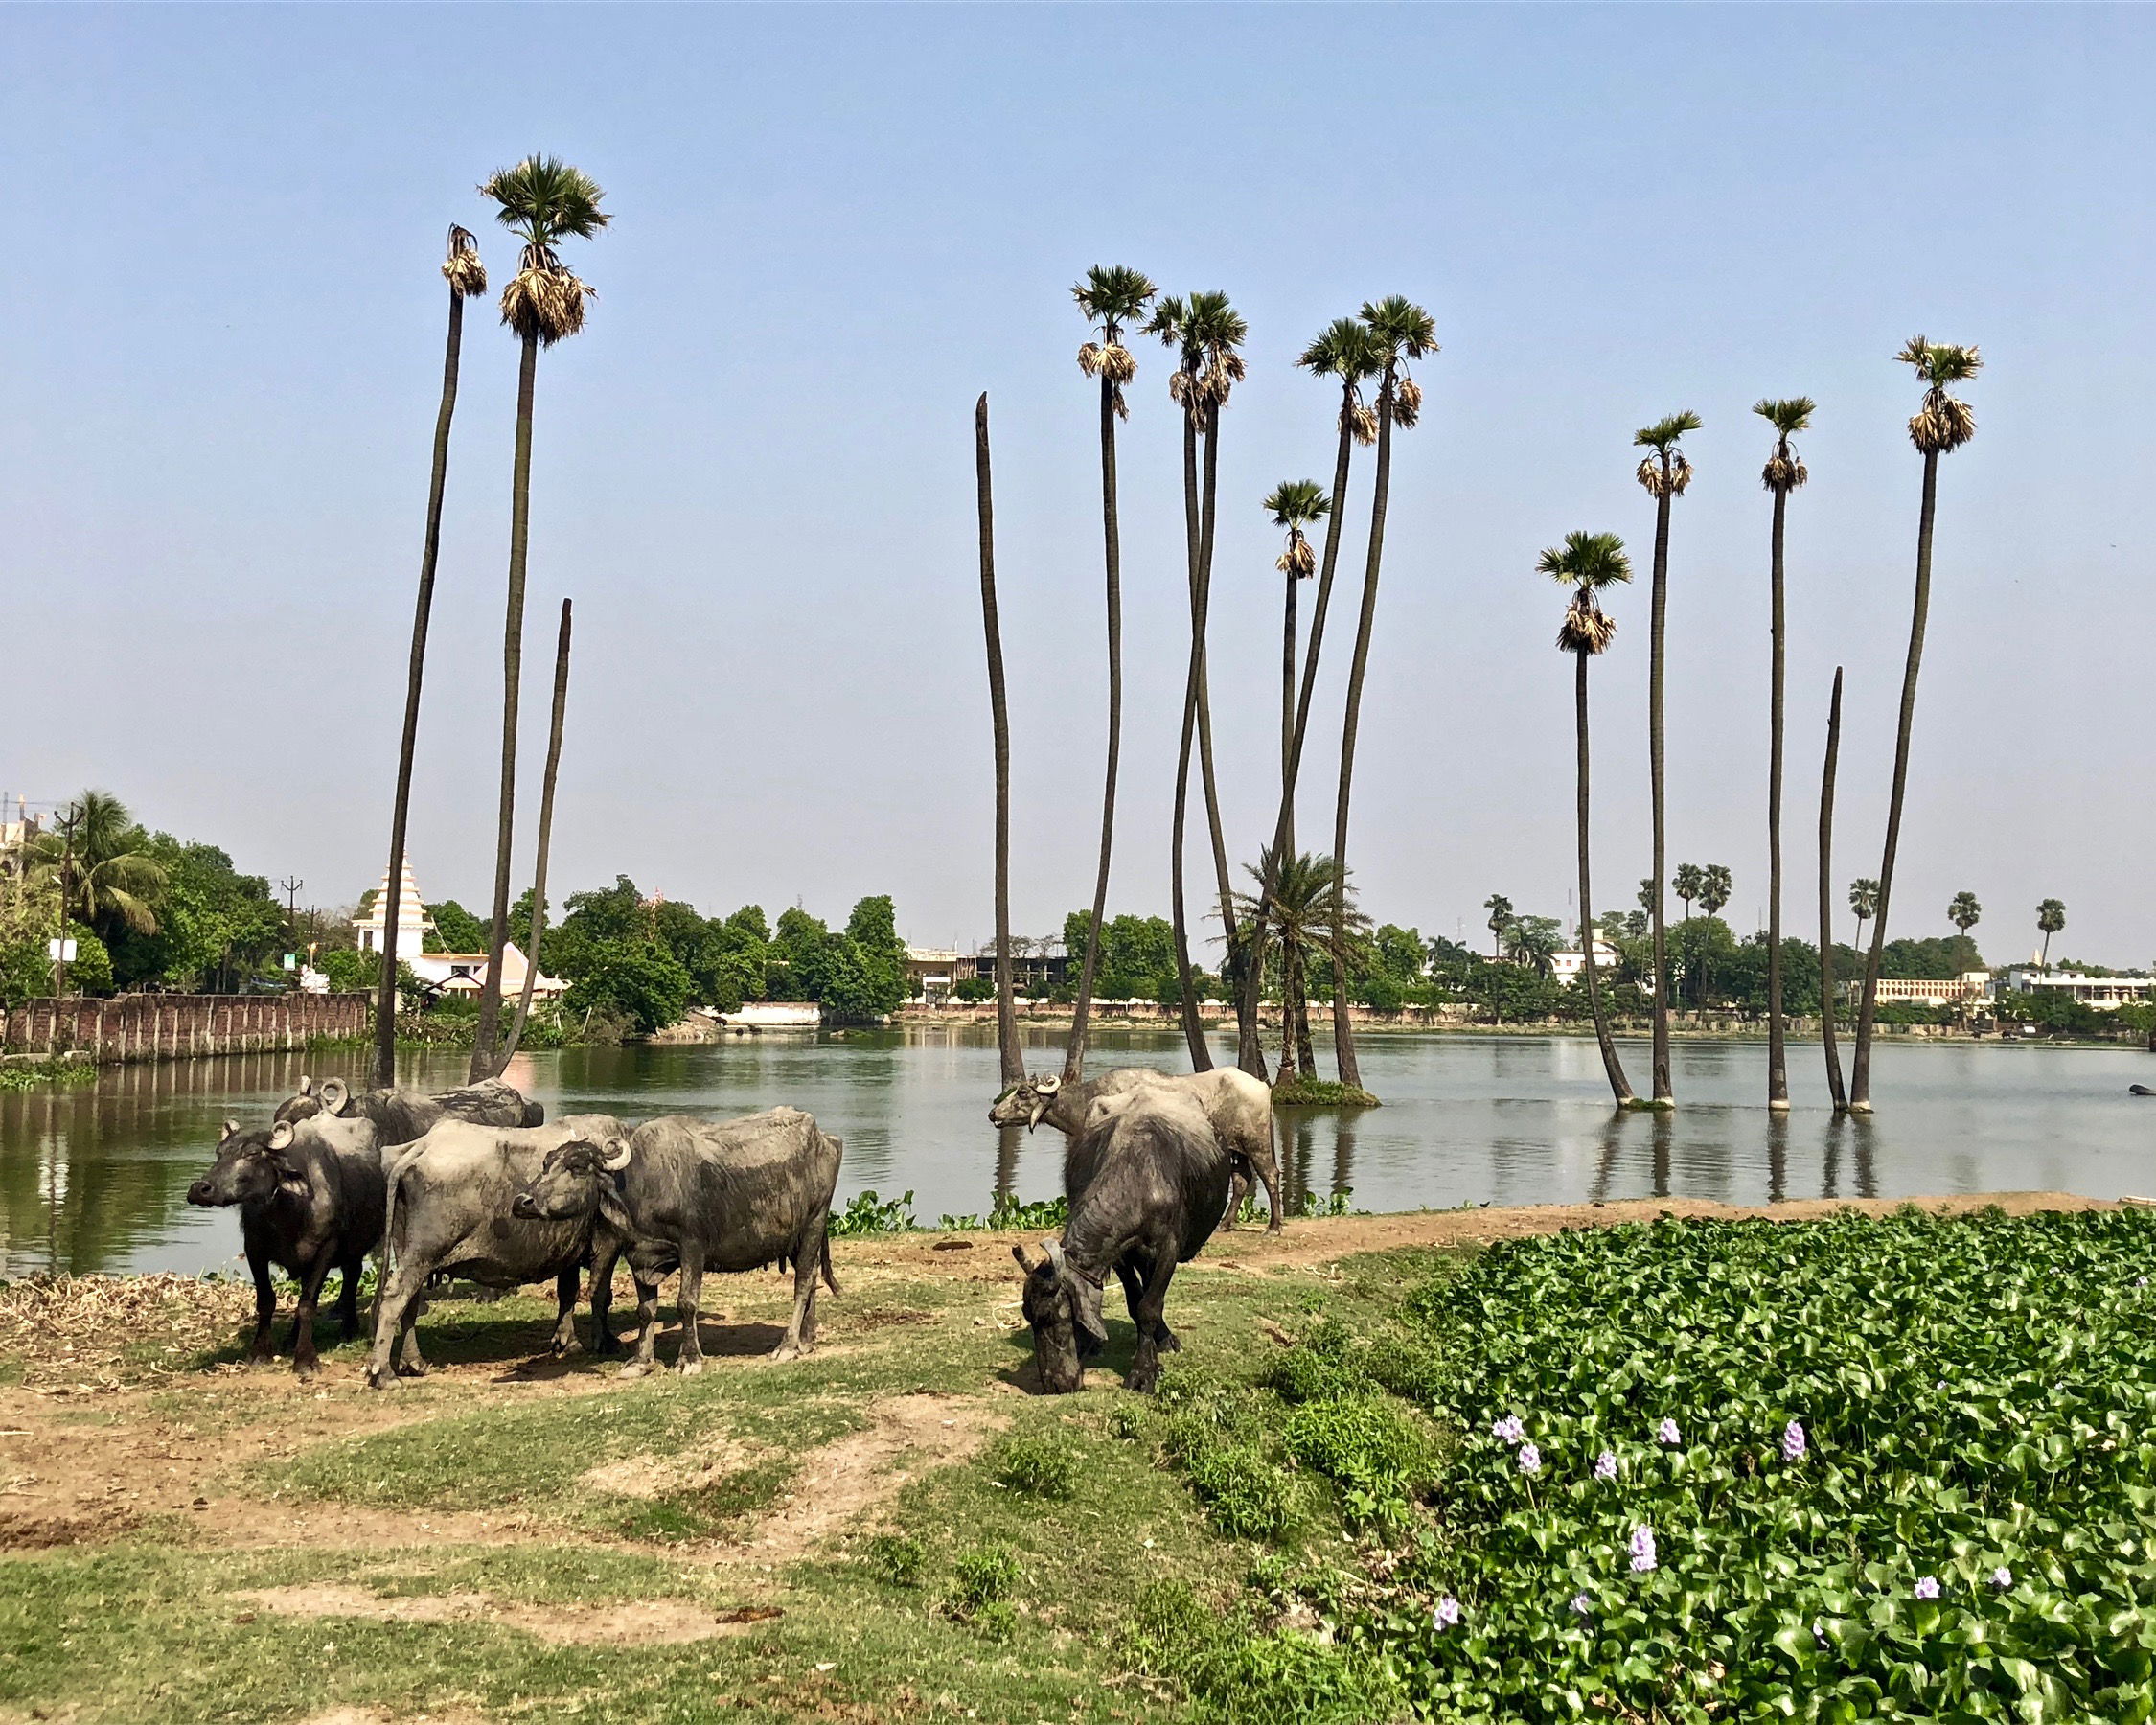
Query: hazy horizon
(835, 226)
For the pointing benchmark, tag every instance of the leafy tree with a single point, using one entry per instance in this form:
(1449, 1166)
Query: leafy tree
(871, 929)
(216, 927)
(95, 857)
(1687, 884)
(1303, 902)
(456, 929)
(641, 982)
(1714, 888)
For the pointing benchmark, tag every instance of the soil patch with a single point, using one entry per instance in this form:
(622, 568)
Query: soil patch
(637, 1624)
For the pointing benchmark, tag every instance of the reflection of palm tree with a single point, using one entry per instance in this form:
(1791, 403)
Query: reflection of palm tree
(102, 880)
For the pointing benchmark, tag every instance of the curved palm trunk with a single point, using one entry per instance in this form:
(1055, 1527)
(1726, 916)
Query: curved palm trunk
(488, 1028)
(1619, 1088)
(1287, 699)
(1826, 900)
(545, 838)
(1193, 1029)
(1344, 1032)
(1284, 825)
(1008, 1053)
(1860, 1070)
(1665, 1093)
(401, 806)
(1074, 1054)
(1777, 1056)
(1249, 1056)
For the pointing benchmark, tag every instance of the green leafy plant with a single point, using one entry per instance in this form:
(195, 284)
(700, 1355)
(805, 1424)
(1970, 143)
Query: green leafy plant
(898, 1557)
(981, 1583)
(870, 1214)
(1039, 1464)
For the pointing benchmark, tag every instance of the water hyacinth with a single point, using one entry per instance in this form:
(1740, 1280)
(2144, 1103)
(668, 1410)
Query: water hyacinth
(1605, 1465)
(1643, 1557)
(2001, 1578)
(1668, 1433)
(1927, 1587)
(1530, 1458)
(1793, 1443)
(1509, 1429)
(1582, 1604)
(1447, 1613)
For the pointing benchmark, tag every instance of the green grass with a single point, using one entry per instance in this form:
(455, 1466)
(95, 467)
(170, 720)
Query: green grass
(1321, 1093)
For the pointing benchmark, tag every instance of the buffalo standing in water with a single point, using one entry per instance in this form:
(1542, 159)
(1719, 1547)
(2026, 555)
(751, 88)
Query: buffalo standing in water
(1159, 1179)
(401, 1116)
(697, 1195)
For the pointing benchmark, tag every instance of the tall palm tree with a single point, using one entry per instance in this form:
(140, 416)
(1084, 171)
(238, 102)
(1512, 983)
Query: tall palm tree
(466, 278)
(1826, 1001)
(1347, 351)
(545, 836)
(543, 200)
(1294, 504)
(1110, 296)
(1501, 912)
(1296, 896)
(1586, 563)
(2050, 918)
(1403, 332)
(1687, 884)
(1941, 424)
(1963, 912)
(91, 860)
(1665, 473)
(1782, 474)
(1009, 1055)
(1864, 903)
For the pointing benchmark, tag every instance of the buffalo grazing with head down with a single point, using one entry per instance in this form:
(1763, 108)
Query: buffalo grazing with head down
(697, 1195)
(310, 1196)
(1159, 1179)
(1239, 1106)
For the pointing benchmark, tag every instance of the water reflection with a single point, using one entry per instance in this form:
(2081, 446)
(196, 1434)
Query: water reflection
(95, 1178)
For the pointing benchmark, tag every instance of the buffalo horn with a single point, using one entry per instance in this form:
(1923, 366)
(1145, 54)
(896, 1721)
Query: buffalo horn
(280, 1134)
(616, 1156)
(334, 1094)
(227, 1130)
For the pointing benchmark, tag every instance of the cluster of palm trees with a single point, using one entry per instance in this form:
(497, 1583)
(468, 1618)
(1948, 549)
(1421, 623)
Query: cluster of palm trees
(543, 201)
(1589, 564)
(1302, 905)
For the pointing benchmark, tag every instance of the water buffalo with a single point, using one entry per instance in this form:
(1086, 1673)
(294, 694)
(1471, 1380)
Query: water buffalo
(446, 1211)
(1160, 1180)
(311, 1200)
(697, 1195)
(1239, 1106)
(401, 1116)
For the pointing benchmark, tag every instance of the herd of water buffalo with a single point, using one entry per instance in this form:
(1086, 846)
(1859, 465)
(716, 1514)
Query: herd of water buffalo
(477, 1184)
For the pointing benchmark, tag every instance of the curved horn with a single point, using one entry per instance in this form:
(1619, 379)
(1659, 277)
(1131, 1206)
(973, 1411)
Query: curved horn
(1054, 1250)
(307, 1085)
(1049, 1085)
(334, 1094)
(616, 1157)
(280, 1136)
(227, 1130)
(1019, 1253)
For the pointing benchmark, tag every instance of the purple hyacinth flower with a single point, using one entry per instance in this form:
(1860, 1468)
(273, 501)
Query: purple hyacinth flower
(1582, 1604)
(1643, 1557)
(1668, 1433)
(1793, 1443)
(1447, 1613)
(1605, 1465)
(1509, 1429)
(2001, 1578)
(1530, 1458)
(1927, 1587)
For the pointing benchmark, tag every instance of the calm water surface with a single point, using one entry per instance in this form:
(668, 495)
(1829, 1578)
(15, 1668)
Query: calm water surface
(96, 1179)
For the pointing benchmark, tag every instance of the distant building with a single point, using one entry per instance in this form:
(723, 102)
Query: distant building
(443, 972)
(932, 972)
(2107, 994)
(1969, 987)
(413, 924)
(1569, 965)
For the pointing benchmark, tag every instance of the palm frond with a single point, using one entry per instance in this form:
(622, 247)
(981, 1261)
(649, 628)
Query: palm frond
(1587, 627)
(461, 269)
(1347, 349)
(1297, 502)
(1788, 415)
(1113, 294)
(1407, 403)
(1359, 421)
(1666, 431)
(1941, 364)
(1586, 560)
(543, 200)
(1401, 327)
(1944, 423)
(544, 298)
(1667, 473)
(1783, 471)
(1299, 559)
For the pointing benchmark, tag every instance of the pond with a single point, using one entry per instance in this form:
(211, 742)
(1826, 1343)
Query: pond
(94, 1179)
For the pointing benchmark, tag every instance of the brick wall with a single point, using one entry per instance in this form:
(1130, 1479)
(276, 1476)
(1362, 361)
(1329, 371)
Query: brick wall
(154, 1026)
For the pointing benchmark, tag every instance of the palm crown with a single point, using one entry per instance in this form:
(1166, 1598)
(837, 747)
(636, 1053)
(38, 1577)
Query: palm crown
(1403, 330)
(1349, 350)
(1783, 471)
(1863, 898)
(461, 269)
(1944, 423)
(1586, 563)
(543, 200)
(1297, 504)
(1665, 472)
(1208, 331)
(1964, 913)
(1112, 296)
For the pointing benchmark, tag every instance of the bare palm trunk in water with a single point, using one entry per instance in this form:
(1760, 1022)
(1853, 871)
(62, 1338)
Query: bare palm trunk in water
(1620, 1087)
(1777, 1055)
(1664, 1091)
(1000, 719)
(1826, 1001)
(1193, 1029)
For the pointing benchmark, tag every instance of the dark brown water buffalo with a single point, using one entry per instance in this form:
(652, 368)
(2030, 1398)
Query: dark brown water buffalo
(697, 1195)
(401, 1116)
(311, 1200)
(1239, 1106)
(1160, 1178)
(446, 1212)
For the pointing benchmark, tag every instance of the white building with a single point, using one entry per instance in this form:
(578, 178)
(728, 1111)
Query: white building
(1569, 965)
(413, 924)
(2107, 994)
(448, 973)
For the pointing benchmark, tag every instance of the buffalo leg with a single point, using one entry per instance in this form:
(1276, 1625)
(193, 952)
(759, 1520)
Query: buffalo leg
(1133, 1273)
(603, 1340)
(1263, 1160)
(567, 1286)
(808, 1265)
(265, 1347)
(395, 1312)
(688, 1361)
(410, 1363)
(316, 1273)
(1239, 1184)
(646, 1323)
(348, 1300)
(1145, 1365)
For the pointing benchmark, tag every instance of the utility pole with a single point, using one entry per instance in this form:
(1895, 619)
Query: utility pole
(290, 889)
(66, 824)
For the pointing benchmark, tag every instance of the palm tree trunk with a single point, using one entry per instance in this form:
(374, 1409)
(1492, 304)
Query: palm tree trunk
(1249, 1056)
(1619, 1088)
(1665, 1093)
(1860, 1073)
(1008, 1053)
(2044, 959)
(1306, 1057)
(1074, 1054)
(1193, 1030)
(488, 1028)
(1344, 1032)
(1826, 1000)
(1287, 699)
(1777, 1056)
(545, 838)
(401, 806)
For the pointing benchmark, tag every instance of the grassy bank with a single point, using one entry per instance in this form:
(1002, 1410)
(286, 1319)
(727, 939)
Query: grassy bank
(896, 1529)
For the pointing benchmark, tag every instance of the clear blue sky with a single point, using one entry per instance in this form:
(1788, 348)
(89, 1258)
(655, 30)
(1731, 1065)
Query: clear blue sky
(221, 327)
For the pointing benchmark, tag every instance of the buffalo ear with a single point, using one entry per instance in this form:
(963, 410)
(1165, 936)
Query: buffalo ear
(280, 1136)
(1085, 1307)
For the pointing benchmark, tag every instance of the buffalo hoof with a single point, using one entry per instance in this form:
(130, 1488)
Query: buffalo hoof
(413, 1369)
(690, 1368)
(1274, 1226)
(563, 1346)
(1167, 1341)
(383, 1380)
(1142, 1379)
(636, 1368)
(790, 1350)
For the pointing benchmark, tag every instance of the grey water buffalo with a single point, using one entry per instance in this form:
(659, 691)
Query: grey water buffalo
(1160, 1178)
(697, 1195)
(446, 1212)
(1239, 1106)
(401, 1116)
(310, 1196)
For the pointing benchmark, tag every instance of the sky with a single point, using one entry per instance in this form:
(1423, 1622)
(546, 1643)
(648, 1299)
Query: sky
(221, 327)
